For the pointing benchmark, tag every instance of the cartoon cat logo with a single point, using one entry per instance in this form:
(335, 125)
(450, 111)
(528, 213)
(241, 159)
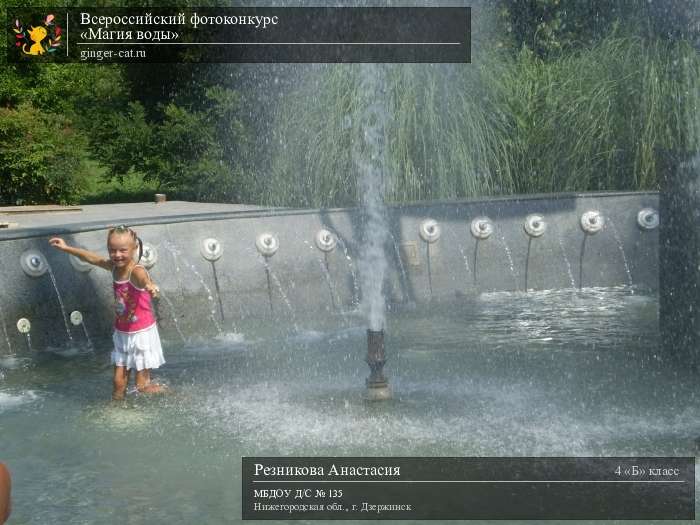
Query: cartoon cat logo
(37, 34)
(37, 40)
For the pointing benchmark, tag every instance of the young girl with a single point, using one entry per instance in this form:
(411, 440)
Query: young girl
(136, 341)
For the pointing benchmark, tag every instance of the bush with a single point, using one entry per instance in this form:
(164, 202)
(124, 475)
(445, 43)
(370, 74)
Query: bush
(42, 157)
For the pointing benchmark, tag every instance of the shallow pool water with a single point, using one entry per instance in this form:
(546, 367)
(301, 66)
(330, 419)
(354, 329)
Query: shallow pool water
(560, 373)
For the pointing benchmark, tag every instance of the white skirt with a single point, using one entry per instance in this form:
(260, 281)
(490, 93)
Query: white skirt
(137, 350)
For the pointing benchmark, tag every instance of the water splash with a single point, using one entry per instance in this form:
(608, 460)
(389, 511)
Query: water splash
(621, 247)
(87, 335)
(10, 400)
(218, 291)
(506, 249)
(329, 281)
(274, 277)
(351, 267)
(177, 255)
(527, 260)
(402, 269)
(580, 261)
(566, 260)
(60, 302)
(326, 271)
(173, 315)
(461, 249)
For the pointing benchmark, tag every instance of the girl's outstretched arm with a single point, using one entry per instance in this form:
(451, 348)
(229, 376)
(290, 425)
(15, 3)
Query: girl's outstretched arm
(85, 255)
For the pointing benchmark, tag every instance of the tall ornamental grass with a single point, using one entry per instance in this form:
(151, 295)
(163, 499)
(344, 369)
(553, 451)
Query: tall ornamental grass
(591, 119)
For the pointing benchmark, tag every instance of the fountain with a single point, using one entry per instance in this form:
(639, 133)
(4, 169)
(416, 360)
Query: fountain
(224, 289)
(543, 355)
(369, 152)
(525, 325)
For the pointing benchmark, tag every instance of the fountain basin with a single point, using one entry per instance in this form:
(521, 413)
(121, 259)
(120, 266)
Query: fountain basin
(236, 285)
(545, 373)
(478, 365)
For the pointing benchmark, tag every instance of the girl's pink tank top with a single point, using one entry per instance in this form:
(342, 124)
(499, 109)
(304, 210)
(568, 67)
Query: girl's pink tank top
(132, 306)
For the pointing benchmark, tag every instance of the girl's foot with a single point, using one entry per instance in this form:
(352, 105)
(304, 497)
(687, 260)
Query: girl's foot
(153, 388)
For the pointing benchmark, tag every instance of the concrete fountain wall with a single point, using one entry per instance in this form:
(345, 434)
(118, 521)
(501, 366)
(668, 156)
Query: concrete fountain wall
(680, 256)
(205, 296)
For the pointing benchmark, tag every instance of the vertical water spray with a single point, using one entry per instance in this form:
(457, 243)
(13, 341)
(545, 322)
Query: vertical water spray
(369, 158)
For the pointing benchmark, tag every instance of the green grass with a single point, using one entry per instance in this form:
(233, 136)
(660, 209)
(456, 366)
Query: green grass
(99, 190)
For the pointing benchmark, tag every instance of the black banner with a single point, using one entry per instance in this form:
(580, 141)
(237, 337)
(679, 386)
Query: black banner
(469, 488)
(241, 34)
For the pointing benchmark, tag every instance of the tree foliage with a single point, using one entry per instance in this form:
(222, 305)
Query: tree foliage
(42, 156)
(173, 125)
(583, 94)
(550, 27)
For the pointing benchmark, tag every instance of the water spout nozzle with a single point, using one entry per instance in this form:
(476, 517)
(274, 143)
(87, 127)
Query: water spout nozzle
(149, 257)
(76, 318)
(211, 249)
(592, 222)
(375, 346)
(267, 244)
(33, 263)
(24, 326)
(535, 225)
(429, 231)
(648, 219)
(377, 385)
(481, 228)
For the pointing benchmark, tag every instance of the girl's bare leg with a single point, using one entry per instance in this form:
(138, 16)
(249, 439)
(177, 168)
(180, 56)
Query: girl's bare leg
(143, 382)
(142, 379)
(119, 382)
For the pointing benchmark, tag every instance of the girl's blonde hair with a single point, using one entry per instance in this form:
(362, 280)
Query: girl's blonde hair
(122, 229)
